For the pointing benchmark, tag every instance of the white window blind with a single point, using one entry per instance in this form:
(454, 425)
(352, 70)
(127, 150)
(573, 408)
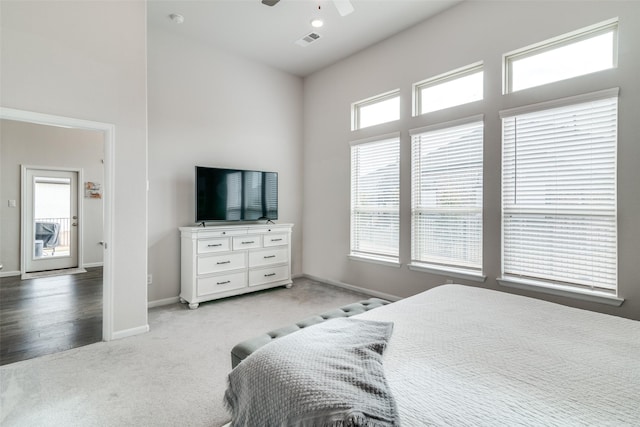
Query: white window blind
(375, 198)
(559, 194)
(446, 195)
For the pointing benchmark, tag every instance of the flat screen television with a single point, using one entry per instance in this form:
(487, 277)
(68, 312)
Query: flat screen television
(235, 195)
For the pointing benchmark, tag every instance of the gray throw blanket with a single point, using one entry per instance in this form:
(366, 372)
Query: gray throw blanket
(326, 375)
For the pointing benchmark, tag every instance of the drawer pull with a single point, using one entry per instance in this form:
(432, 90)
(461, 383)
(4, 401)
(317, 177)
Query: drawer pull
(270, 274)
(215, 245)
(276, 240)
(223, 262)
(248, 243)
(223, 283)
(269, 256)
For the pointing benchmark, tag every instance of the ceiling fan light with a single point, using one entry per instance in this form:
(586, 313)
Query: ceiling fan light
(317, 23)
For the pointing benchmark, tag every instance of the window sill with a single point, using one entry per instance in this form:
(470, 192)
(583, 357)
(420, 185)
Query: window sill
(561, 290)
(458, 273)
(389, 262)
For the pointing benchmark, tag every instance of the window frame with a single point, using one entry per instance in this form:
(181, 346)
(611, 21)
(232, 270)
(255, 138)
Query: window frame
(449, 76)
(355, 254)
(554, 43)
(450, 268)
(552, 286)
(358, 105)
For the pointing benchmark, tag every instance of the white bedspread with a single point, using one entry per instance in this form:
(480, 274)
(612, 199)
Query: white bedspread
(464, 356)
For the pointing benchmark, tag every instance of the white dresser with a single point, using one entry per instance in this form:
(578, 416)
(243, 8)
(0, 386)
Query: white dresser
(224, 260)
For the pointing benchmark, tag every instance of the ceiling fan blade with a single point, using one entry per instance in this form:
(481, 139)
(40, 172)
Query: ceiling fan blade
(344, 7)
(270, 2)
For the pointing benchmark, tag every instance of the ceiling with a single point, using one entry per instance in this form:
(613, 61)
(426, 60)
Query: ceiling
(268, 34)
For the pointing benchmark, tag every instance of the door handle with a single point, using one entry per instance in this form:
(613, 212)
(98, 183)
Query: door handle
(75, 224)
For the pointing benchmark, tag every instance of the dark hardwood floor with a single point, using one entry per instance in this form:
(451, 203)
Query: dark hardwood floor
(50, 314)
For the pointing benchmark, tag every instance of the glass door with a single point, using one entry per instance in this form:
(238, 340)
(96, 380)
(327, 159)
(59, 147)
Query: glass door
(51, 219)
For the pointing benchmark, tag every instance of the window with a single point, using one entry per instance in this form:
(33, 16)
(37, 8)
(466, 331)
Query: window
(559, 193)
(446, 195)
(374, 111)
(448, 90)
(375, 198)
(576, 54)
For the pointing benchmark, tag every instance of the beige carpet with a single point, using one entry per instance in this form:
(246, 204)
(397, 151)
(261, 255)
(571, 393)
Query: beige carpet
(174, 375)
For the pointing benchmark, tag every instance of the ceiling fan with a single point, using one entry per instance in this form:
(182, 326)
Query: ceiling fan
(344, 6)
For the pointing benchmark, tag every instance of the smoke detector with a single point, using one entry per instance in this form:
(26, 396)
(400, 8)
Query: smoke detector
(176, 18)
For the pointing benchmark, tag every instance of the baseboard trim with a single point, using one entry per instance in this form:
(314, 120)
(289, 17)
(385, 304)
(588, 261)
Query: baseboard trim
(130, 332)
(343, 285)
(161, 302)
(9, 273)
(93, 264)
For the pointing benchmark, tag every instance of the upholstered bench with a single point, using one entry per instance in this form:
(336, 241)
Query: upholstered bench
(245, 348)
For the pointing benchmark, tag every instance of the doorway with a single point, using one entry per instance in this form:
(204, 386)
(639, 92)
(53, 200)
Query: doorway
(108, 137)
(50, 220)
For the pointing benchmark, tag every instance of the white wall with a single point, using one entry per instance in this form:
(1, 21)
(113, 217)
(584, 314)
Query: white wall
(87, 60)
(38, 145)
(210, 108)
(467, 33)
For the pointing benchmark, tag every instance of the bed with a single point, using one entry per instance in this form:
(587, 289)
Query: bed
(466, 356)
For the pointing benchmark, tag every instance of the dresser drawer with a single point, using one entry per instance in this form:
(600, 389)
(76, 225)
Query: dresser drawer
(265, 275)
(216, 263)
(214, 245)
(269, 256)
(247, 242)
(276, 239)
(213, 284)
(211, 232)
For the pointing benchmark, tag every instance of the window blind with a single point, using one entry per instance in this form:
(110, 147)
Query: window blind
(375, 198)
(446, 195)
(559, 194)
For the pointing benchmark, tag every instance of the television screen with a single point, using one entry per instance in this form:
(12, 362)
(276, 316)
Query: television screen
(235, 195)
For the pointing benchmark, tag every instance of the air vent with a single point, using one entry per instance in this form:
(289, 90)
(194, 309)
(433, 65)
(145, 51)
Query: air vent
(308, 39)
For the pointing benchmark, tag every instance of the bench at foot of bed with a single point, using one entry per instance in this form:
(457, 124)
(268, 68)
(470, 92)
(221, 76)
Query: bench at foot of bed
(245, 348)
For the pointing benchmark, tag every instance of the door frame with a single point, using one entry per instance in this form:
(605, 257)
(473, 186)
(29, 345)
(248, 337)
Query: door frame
(27, 247)
(108, 195)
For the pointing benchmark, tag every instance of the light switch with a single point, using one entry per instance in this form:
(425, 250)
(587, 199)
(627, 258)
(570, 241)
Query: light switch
(12, 203)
